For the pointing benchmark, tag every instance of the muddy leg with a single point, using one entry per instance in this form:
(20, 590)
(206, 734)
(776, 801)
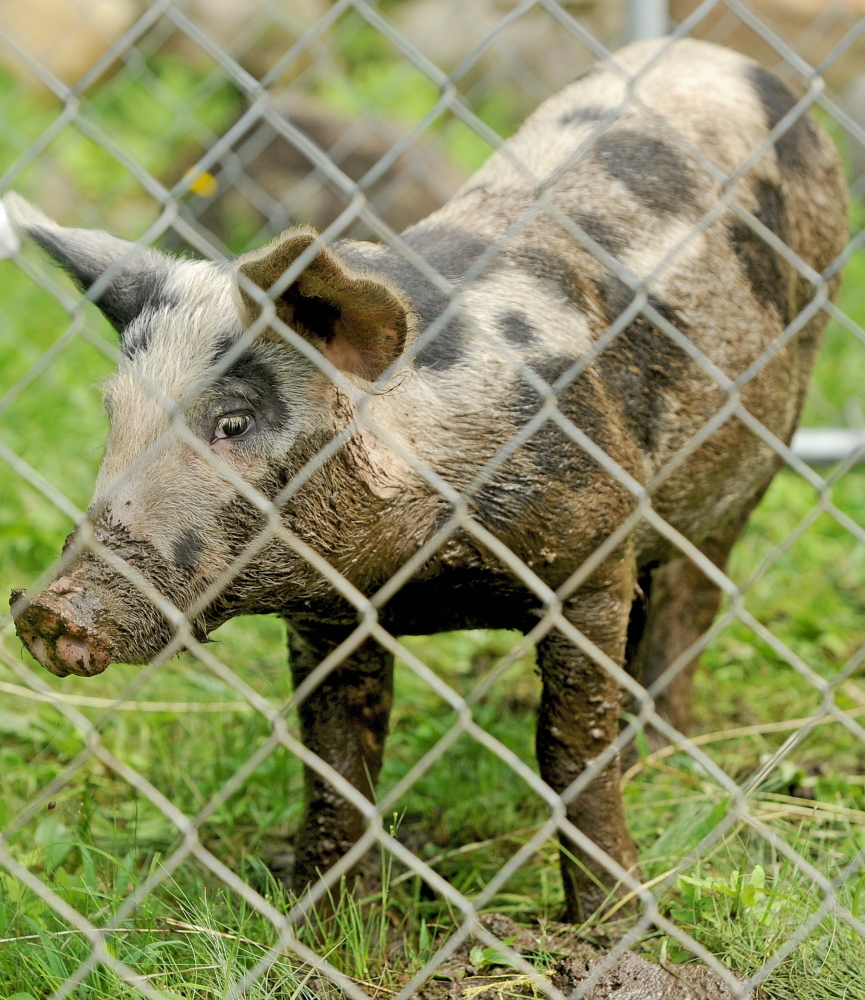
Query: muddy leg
(344, 720)
(578, 718)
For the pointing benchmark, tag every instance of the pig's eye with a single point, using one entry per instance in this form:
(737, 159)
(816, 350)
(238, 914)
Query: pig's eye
(233, 425)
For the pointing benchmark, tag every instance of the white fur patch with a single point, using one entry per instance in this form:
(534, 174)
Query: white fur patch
(180, 338)
(560, 327)
(9, 242)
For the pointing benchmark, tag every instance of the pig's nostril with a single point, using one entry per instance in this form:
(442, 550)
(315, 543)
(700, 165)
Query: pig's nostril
(73, 653)
(35, 645)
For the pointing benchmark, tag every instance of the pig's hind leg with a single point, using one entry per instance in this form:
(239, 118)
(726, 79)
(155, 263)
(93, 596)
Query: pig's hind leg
(678, 607)
(344, 721)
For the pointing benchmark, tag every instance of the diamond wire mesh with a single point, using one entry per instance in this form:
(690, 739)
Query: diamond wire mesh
(233, 164)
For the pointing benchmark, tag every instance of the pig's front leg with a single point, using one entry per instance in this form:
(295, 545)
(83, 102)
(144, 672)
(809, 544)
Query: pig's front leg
(578, 719)
(344, 720)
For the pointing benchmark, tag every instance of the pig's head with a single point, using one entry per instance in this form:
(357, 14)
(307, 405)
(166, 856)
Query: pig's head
(208, 415)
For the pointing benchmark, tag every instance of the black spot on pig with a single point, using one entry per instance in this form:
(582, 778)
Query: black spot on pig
(550, 452)
(555, 452)
(797, 145)
(763, 266)
(579, 399)
(223, 345)
(450, 252)
(550, 267)
(642, 365)
(186, 550)
(655, 173)
(605, 235)
(258, 383)
(445, 348)
(517, 329)
(587, 113)
(770, 209)
(252, 378)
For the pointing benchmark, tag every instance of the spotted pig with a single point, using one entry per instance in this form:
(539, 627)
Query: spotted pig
(517, 416)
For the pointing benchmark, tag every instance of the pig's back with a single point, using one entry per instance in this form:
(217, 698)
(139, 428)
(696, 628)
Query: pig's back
(641, 168)
(637, 154)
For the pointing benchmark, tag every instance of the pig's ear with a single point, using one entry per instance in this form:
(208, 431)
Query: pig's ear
(135, 273)
(356, 319)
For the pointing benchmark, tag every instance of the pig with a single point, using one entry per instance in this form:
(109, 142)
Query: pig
(527, 413)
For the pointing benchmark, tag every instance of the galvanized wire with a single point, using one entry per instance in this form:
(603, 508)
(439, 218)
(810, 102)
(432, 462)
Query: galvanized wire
(175, 216)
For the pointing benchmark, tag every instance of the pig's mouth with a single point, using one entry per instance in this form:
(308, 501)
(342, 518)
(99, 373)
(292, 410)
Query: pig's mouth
(54, 632)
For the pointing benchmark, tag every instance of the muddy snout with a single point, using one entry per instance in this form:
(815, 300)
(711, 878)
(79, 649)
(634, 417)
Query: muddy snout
(55, 632)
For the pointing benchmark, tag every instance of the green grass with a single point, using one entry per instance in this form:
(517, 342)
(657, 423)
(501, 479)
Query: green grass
(94, 840)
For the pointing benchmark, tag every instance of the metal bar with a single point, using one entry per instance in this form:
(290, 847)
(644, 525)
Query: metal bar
(827, 445)
(647, 19)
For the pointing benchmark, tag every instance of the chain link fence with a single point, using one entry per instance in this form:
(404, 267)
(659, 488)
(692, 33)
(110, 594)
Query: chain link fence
(134, 816)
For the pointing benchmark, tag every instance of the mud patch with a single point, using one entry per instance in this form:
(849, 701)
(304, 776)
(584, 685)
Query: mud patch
(629, 977)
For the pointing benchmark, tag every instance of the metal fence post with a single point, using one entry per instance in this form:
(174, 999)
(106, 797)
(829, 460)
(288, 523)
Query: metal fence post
(647, 19)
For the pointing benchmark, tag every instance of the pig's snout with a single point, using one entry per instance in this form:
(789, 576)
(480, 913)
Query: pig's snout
(52, 629)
